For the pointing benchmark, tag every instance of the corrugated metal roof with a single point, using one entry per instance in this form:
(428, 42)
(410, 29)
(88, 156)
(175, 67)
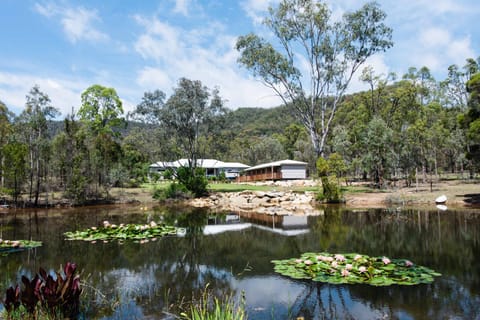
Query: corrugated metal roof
(203, 163)
(276, 164)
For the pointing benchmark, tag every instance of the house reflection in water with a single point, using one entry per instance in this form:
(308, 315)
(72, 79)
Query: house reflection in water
(284, 225)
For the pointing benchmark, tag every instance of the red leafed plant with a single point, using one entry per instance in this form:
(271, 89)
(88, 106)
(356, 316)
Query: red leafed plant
(60, 294)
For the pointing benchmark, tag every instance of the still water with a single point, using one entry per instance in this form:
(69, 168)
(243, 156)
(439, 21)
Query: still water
(231, 253)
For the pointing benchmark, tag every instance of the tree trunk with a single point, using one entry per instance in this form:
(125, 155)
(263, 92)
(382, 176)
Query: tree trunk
(2, 178)
(37, 187)
(30, 191)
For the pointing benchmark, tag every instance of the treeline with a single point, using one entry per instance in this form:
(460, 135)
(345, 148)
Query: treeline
(410, 128)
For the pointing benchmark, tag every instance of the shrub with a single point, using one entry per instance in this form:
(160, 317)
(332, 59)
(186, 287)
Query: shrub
(331, 191)
(209, 307)
(193, 179)
(59, 296)
(173, 191)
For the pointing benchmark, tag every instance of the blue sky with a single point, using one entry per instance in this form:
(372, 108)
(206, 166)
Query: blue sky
(136, 46)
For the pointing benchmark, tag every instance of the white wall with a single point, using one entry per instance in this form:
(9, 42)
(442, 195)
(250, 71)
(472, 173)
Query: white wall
(294, 172)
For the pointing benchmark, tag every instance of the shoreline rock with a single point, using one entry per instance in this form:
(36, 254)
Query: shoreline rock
(270, 203)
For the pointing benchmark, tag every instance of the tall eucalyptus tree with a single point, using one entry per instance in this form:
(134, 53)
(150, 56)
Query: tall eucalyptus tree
(33, 122)
(5, 132)
(316, 57)
(102, 115)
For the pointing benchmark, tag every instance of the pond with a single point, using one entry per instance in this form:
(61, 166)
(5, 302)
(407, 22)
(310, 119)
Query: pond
(232, 253)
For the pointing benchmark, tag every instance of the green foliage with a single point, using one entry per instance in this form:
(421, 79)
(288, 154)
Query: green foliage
(353, 268)
(390, 131)
(331, 191)
(101, 115)
(472, 121)
(77, 187)
(101, 109)
(209, 307)
(173, 191)
(323, 167)
(222, 177)
(334, 50)
(9, 246)
(168, 174)
(337, 165)
(192, 112)
(14, 167)
(137, 232)
(33, 131)
(193, 179)
(378, 154)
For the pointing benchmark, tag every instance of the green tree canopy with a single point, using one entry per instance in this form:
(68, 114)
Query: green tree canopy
(331, 50)
(101, 109)
(191, 112)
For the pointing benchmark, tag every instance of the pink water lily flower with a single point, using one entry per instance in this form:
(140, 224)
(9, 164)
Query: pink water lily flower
(345, 273)
(339, 257)
(408, 263)
(386, 260)
(328, 259)
(298, 260)
(348, 266)
(357, 257)
(308, 262)
(362, 269)
(334, 264)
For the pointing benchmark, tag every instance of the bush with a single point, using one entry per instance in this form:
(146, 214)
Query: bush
(194, 180)
(210, 307)
(56, 296)
(168, 174)
(331, 191)
(173, 191)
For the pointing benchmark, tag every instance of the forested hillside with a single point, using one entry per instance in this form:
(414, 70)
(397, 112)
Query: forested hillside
(401, 129)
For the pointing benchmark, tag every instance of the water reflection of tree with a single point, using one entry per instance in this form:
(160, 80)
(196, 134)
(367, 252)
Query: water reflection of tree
(447, 242)
(324, 301)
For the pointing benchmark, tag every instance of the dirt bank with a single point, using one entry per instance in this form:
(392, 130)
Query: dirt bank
(424, 194)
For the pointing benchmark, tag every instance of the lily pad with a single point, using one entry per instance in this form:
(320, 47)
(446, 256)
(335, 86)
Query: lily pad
(9, 246)
(107, 232)
(354, 268)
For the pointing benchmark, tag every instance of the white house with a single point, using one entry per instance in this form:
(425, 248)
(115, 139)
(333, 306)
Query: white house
(212, 167)
(278, 170)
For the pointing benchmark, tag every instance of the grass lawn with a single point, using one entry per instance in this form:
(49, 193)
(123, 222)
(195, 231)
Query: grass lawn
(235, 187)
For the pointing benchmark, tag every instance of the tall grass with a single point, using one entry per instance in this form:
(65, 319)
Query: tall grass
(209, 307)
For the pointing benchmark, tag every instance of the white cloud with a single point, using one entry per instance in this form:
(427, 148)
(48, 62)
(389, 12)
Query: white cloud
(152, 78)
(434, 37)
(257, 9)
(181, 6)
(443, 6)
(64, 94)
(160, 41)
(77, 22)
(459, 50)
(380, 68)
(437, 48)
(206, 54)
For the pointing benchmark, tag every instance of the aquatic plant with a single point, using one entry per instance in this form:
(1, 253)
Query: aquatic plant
(108, 231)
(354, 268)
(9, 246)
(45, 294)
(209, 307)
